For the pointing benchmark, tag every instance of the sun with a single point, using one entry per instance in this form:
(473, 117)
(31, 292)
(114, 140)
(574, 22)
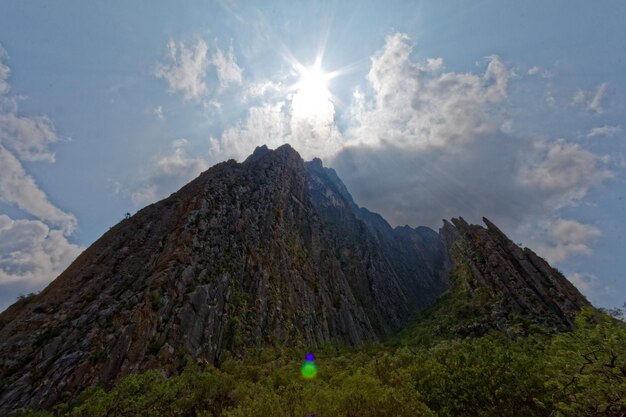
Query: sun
(311, 91)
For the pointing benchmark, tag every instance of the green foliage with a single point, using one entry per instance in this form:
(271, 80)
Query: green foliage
(582, 373)
(593, 363)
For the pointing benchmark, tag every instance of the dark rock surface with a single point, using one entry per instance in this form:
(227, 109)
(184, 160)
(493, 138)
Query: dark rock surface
(270, 251)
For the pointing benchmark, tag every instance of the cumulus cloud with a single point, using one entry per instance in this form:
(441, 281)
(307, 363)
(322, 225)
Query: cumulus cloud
(605, 130)
(416, 104)
(427, 144)
(168, 172)
(32, 252)
(186, 70)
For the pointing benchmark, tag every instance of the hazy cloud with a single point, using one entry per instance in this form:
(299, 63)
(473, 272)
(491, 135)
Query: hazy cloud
(4, 72)
(32, 252)
(605, 130)
(263, 125)
(158, 112)
(591, 101)
(563, 172)
(146, 194)
(534, 70)
(595, 104)
(186, 70)
(566, 238)
(168, 172)
(228, 72)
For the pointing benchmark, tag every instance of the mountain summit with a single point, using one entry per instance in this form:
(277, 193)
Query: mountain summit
(271, 251)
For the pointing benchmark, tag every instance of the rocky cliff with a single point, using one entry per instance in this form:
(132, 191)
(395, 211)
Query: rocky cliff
(270, 251)
(518, 286)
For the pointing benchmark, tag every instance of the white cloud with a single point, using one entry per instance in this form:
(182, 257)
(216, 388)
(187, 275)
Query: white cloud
(563, 172)
(264, 125)
(228, 72)
(534, 70)
(158, 112)
(145, 195)
(417, 105)
(261, 88)
(17, 187)
(186, 70)
(28, 137)
(167, 173)
(605, 130)
(4, 72)
(568, 237)
(429, 144)
(178, 163)
(31, 252)
(579, 97)
(593, 102)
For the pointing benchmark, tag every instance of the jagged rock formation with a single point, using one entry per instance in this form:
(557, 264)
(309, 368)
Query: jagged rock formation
(520, 284)
(270, 251)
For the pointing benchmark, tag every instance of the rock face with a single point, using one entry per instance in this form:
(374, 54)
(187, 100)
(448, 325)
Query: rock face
(521, 285)
(270, 251)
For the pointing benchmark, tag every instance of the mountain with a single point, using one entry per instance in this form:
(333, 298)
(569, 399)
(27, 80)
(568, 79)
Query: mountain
(269, 252)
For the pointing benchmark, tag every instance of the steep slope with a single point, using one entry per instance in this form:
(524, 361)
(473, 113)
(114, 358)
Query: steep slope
(416, 257)
(245, 255)
(509, 287)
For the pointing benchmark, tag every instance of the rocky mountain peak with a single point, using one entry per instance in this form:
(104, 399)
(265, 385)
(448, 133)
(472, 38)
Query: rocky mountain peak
(269, 252)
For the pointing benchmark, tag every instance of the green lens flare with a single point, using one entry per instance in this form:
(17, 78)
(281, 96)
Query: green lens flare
(308, 370)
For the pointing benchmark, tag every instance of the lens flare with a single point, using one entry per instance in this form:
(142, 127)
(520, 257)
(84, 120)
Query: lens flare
(308, 370)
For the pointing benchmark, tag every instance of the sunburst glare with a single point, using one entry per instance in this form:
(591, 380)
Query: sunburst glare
(312, 95)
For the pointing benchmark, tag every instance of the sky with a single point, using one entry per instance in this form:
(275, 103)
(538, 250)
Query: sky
(426, 109)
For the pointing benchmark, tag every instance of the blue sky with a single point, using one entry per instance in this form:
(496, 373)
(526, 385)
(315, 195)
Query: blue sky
(427, 110)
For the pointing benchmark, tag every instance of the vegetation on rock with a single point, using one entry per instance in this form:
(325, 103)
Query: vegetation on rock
(581, 373)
